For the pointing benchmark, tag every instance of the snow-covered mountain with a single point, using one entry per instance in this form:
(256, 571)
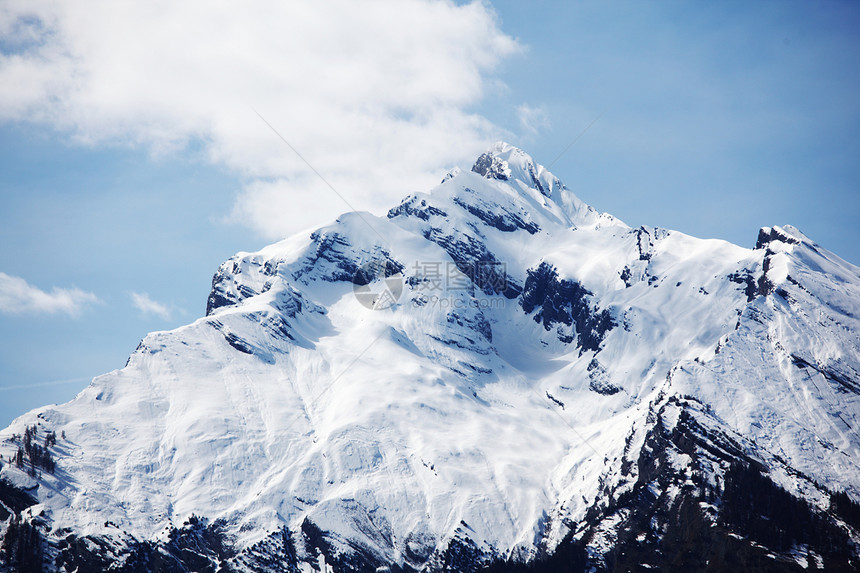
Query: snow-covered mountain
(492, 376)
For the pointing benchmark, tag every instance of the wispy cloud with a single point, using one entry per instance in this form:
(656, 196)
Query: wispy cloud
(146, 305)
(377, 96)
(17, 296)
(532, 119)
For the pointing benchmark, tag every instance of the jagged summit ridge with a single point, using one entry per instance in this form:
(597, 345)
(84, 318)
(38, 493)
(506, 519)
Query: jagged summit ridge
(491, 372)
(504, 162)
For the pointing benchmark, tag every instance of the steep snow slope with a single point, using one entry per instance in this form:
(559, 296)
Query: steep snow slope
(474, 377)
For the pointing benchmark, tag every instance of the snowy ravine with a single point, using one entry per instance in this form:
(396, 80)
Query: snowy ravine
(493, 376)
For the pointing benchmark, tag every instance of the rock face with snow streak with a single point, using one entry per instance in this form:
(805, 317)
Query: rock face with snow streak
(493, 375)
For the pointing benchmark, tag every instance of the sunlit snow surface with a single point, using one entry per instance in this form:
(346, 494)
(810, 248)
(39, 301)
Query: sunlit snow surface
(454, 408)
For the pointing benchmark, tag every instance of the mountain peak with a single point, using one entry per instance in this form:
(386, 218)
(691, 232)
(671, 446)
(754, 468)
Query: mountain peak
(508, 164)
(785, 234)
(504, 162)
(494, 376)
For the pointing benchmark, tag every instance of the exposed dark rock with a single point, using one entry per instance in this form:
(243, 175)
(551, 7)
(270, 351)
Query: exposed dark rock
(475, 322)
(227, 289)
(463, 556)
(564, 302)
(625, 276)
(765, 285)
(645, 243)
(198, 546)
(376, 270)
(277, 552)
(412, 206)
(15, 499)
(498, 217)
(333, 248)
(450, 174)
(339, 260)
(355, 558)
(599, 380)
(243, 345)
(474, 260)
(556, 400)
(220, 294)
(746, 278)
(532, 172)
(844, 382)
(768, 234)
(491, 167)
(679, 521)
(671, 519)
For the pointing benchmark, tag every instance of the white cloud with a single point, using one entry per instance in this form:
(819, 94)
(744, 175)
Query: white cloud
(532, 119)
(375, 95)
(17, 296)
(146, 305)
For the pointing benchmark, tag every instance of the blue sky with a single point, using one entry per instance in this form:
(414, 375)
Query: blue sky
(129, 168)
